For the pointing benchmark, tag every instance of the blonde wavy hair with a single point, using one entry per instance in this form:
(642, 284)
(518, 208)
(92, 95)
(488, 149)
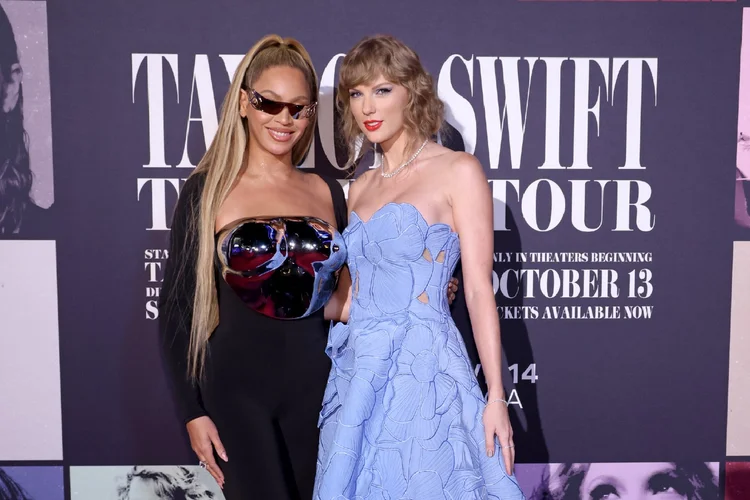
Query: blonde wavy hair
(384, 55)
(222, 165)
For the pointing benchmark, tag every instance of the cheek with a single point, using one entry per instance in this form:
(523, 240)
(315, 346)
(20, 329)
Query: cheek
(395, 110)
(302, 125)
(257, 120)
(356, 107)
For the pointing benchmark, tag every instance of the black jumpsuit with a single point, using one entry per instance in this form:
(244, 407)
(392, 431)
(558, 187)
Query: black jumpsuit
(264, 378)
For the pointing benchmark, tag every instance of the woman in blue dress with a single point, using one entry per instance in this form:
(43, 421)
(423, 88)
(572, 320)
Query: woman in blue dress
(403, 416)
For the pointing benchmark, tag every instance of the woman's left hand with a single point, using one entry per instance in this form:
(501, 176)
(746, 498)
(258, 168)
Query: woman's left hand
(452, 289)
(497, 423)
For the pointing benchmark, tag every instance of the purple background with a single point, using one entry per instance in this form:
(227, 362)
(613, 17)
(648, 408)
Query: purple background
(41, 483)
(607, 391)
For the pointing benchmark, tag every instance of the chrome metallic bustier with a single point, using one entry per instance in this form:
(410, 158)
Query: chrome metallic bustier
(282, 267)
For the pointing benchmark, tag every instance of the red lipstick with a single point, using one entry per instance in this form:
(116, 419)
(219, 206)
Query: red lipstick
(373, 125)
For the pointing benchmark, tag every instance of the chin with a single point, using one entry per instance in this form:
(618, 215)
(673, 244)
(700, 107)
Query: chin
(277, 149)
(377, 136)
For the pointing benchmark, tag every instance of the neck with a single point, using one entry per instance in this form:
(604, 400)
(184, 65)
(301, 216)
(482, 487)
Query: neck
(394, 153)
(261, 163)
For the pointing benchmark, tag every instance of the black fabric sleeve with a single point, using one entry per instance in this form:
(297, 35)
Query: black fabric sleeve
(339, 203)
(176, 300)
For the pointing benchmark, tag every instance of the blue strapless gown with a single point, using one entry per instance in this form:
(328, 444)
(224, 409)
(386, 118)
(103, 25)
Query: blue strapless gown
(402, 411)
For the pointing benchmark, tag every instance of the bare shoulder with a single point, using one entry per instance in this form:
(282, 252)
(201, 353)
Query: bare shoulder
(365, 176)
(358, 185)
(317, 184)
(313, 178)
(464, 177)
(464, 164)
(458, 168)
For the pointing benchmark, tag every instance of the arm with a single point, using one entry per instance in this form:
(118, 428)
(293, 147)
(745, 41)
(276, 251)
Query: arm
(176, 302)
(175, 321)
(471, 201)
(337, 308)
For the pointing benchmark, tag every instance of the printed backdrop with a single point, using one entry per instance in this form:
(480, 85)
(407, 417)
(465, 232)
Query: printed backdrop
(608, 131)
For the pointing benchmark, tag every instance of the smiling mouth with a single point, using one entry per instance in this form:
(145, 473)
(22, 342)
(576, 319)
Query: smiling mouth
(280, 135)
(373, 125)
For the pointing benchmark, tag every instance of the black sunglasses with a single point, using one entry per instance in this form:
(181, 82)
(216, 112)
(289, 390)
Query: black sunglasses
(266, 105)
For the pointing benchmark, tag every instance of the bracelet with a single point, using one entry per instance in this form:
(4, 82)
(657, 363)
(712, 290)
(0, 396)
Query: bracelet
(496, 401)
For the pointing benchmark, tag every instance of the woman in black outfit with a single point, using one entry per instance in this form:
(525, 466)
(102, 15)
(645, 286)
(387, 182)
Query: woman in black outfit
(253, 380)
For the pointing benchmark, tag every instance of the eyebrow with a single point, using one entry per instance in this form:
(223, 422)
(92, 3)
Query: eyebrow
(277, 96)
(373, 85)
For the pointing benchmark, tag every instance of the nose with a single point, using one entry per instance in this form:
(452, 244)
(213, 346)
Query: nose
(285, 117)
(368, 105)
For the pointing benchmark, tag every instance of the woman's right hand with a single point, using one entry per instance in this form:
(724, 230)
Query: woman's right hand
(204, 437)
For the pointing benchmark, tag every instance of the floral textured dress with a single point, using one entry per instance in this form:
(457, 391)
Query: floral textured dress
(402, 411)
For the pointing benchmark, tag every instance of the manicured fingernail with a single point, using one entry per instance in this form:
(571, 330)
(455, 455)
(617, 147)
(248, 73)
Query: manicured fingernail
(489, 453)
(224, 456)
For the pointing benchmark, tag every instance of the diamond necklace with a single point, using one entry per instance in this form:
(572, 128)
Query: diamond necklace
(399, 169)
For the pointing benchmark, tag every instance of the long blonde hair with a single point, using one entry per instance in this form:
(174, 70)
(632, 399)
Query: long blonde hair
(385, 55)
(222, 165)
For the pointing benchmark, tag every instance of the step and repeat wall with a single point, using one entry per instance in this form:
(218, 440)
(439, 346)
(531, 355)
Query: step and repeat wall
(615, 136)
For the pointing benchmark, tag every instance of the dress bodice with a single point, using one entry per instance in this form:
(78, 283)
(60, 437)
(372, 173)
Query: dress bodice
(399, 264)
